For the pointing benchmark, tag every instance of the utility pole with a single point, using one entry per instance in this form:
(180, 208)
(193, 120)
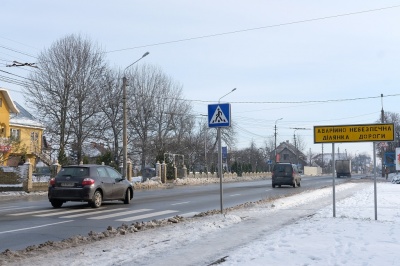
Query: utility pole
(295, 143)
(124, 127)
(275, 137)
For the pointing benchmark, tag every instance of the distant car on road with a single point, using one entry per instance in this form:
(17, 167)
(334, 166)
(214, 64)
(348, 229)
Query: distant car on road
(88, 182)
(285, 174)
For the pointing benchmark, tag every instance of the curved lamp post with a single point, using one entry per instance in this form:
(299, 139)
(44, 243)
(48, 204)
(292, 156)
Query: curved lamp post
(124, 133)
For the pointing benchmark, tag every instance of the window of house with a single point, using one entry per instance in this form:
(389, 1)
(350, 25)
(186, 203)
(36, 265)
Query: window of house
(15, 133)
(2, 130)
(286, 157)
(34, 136)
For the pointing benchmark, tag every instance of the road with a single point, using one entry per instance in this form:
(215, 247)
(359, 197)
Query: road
(24, 223)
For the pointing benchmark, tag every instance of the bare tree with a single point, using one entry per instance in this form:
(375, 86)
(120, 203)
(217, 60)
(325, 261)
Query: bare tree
(157, 115)
(227, 136)
(390, 117)
(269, 147)
(110, 104)
(62, 91)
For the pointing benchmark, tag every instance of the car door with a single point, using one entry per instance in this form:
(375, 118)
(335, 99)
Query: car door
(106, 182)
(119, 186)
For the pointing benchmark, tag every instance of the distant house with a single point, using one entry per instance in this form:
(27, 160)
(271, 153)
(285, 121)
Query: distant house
(21, 134)
(288, 153)
(94, 150)
(326, 158)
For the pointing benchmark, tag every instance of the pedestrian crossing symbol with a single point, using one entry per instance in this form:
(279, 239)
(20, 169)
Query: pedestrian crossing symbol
(219, 115)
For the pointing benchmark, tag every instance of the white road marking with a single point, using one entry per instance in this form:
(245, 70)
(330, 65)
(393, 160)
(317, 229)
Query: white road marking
(118, 214)
(91, 213)
(13, 208)
(179, 203)
(66, 212)
(144, 216)
(234, 195)
(34, 227)
(32, 212)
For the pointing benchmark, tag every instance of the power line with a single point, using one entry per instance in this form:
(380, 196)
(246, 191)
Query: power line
(13, 81)
(10, 49)
(257, 28)
(18, 42)
(13, 74)
(296, 102)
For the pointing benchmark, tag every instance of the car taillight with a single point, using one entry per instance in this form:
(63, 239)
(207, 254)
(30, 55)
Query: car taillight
(52, 181)
(87, 182)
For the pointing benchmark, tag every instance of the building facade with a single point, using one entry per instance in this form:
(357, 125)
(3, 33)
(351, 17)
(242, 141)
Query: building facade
(21, 135)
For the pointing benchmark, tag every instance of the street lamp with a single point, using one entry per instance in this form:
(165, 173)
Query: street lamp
(124, 133)
(275, 136)
(220, 153)
(226, 94)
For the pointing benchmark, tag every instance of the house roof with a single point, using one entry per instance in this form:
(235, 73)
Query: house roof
(290, 147)
(94, 149)
(10, 103)
(24, 118)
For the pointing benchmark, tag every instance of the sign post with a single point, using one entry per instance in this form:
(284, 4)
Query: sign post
(353, 133)
(219, 115)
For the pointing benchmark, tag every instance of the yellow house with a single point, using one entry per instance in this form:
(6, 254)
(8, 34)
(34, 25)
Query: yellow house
(20, 134)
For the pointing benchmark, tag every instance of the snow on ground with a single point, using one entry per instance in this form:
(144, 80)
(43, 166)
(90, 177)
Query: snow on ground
(296, 230)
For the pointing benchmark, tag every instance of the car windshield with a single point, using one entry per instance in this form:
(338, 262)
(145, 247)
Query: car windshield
(74, 171)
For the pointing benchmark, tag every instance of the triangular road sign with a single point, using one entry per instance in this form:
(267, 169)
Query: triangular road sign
(218, 117)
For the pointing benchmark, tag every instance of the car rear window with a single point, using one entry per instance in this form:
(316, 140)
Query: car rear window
(283, 168)
(74, 171)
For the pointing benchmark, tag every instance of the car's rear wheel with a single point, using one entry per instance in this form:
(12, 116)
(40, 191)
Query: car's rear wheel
(298, 184)
(56, 203)
(273, 185)
(127, 199)
(97, 199)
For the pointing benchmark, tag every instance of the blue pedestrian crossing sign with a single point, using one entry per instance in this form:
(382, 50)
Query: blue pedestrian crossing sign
(219, 115)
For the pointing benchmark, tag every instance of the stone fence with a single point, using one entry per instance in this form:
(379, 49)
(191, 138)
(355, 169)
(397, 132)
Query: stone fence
(29, 184)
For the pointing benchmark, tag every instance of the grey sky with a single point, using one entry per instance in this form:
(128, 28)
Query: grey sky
(279, 64)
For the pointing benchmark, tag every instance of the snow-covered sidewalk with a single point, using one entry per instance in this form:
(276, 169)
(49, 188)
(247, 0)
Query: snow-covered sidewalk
(297, 230)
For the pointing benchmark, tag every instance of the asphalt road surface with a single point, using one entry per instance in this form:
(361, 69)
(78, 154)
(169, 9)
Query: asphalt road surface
(32, 221)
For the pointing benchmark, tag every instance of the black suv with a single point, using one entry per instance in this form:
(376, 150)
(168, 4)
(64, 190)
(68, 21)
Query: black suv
(285, 174)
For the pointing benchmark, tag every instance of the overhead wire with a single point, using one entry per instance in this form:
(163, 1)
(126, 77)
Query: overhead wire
(23, 83)
(16, 51)
(256, 28)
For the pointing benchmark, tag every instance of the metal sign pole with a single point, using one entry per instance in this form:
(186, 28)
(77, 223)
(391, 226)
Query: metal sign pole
(333, 179)
(219, 115)
(220, 166)
(375, 196)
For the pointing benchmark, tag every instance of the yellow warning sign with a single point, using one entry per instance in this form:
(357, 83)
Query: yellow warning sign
(354, 133)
